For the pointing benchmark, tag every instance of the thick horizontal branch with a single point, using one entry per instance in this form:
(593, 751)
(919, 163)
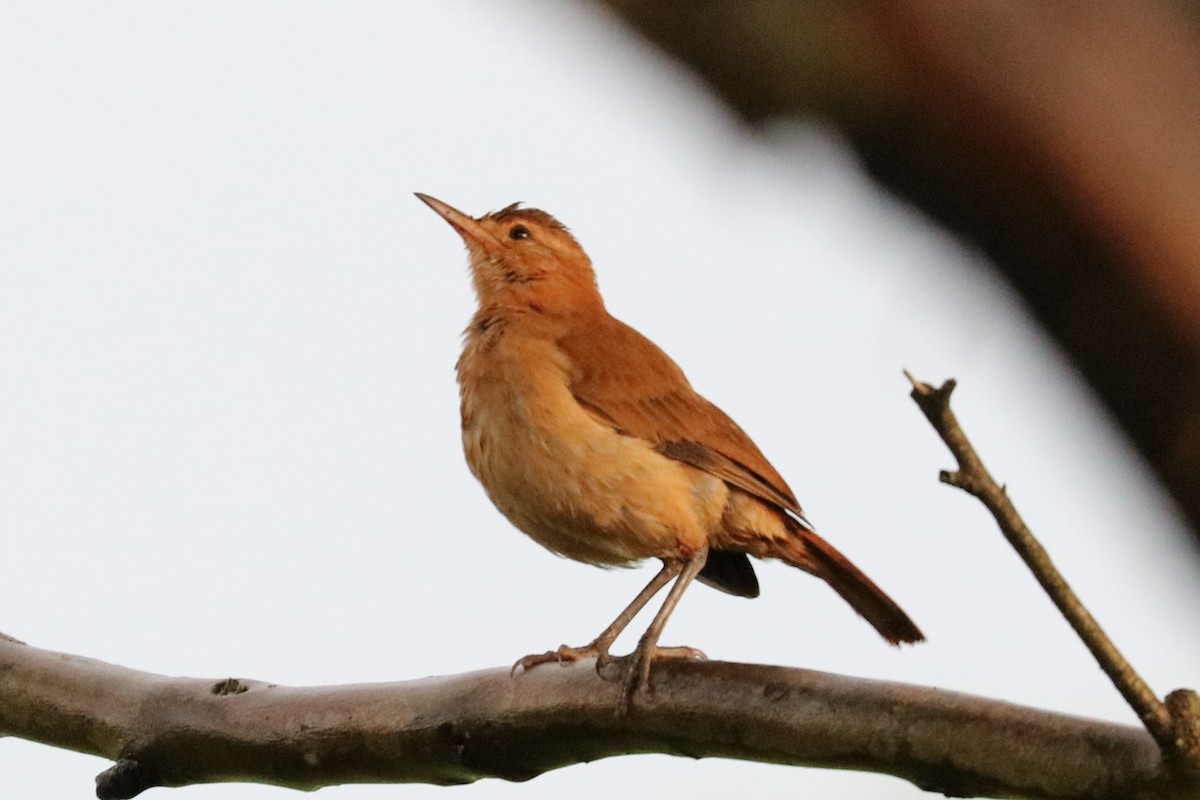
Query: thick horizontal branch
(176, 731)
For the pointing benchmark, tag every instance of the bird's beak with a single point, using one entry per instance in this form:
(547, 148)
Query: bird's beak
(471, 231)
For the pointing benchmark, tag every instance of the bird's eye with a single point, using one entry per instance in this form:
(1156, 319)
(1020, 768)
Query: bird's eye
(518, 232)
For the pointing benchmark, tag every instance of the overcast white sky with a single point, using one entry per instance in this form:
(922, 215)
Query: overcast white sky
(228, 418)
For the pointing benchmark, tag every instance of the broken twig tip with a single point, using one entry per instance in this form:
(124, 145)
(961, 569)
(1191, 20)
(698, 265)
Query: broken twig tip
(932, 401)
(944, 391)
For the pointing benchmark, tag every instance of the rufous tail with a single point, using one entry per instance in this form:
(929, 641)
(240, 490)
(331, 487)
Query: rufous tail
(808, 551)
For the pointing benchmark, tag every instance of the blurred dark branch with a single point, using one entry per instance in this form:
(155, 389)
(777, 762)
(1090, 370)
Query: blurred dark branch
(1060, 137)
(164, 731)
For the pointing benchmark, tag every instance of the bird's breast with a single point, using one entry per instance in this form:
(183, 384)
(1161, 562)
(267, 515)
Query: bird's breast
(572, 483)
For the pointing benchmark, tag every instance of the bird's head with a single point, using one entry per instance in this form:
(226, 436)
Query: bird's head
(523, 257)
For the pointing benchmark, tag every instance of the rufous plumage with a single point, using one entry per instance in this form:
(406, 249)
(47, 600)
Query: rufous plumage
(589, 438)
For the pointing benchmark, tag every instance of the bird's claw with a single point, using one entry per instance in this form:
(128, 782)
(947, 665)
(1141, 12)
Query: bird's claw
(679, 654)
(636, 679)
(637, 673)
(564, 655)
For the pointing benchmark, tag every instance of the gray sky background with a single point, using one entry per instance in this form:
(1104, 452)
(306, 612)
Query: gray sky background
(228, 418)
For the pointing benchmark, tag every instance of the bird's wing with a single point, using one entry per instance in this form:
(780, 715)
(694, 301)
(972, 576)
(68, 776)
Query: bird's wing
(624, 380)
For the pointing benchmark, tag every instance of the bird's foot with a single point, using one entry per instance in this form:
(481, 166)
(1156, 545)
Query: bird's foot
(564, 655)
(637, 672)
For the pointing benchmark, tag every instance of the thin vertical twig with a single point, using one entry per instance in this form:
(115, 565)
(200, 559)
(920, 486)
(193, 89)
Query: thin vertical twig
(1173, 732)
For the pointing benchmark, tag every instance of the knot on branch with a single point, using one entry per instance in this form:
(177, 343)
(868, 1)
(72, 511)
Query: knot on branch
(125, 779)
(1184, 707)
(229, 686)
(963, 480)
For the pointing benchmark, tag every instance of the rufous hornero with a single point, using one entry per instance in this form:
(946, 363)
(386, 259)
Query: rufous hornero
(589, 438)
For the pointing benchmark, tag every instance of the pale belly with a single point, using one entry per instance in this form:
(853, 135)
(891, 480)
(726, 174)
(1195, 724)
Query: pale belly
(576, 486)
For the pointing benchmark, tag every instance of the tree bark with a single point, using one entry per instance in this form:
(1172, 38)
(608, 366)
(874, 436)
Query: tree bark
(176, 731)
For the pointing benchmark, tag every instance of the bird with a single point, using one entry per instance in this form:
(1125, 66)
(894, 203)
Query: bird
(591, 440)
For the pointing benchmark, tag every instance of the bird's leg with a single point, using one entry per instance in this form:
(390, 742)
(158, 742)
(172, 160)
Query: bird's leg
(600, 645)
(605, 640)
(638, 675)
